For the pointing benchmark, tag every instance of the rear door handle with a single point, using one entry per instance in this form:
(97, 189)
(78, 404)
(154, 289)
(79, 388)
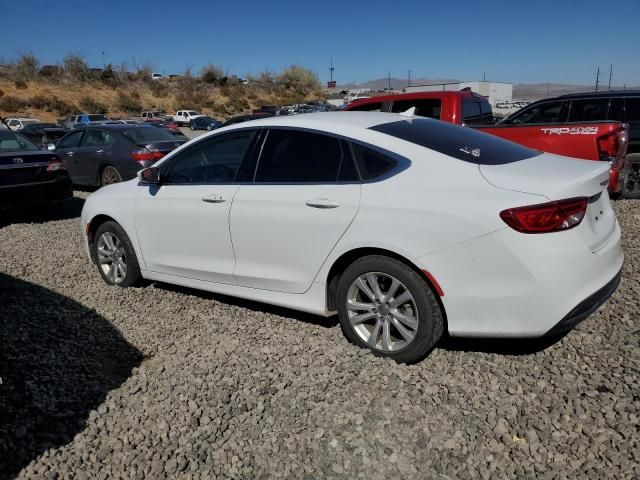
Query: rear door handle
(214, 198)
(322, 203)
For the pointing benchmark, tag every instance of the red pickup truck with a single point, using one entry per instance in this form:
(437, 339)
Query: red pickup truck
(605, 140)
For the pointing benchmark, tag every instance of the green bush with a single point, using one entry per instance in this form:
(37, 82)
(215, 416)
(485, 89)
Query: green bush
(211, 74)
(129, 101)
(90, 105)
(109, 77)
(299, 80)
(12, 104)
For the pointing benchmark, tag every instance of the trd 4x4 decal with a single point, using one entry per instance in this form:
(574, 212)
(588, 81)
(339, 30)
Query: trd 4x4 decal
(570, 131)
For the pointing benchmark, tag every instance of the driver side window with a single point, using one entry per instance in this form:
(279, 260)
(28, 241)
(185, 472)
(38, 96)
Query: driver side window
(211, 161)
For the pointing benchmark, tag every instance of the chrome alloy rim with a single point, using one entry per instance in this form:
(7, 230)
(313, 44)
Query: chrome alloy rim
(111, 257)
(110, 176)
(382, 311)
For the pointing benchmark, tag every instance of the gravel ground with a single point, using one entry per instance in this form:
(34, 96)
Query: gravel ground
(165, 382)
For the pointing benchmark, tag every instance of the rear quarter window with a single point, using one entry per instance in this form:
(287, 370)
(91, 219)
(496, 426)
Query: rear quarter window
(462, 143)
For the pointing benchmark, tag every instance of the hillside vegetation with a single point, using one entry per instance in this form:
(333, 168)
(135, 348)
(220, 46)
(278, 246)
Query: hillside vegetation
(51, 92)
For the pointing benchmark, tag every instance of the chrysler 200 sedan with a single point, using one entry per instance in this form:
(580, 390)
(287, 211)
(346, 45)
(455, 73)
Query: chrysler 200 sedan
(406, 227)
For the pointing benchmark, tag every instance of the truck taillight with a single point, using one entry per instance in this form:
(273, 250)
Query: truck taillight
(145, 155)
(546, 217)
(613, 146)
(55, 166)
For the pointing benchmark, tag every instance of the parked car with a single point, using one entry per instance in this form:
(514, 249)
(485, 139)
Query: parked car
(72, 121)
(246, 118)
(166, 124)
(43, 133)
(154, 115)
(603, 140)
(20, 123)
(183, 117)
(105, 154)
(344, 212)
(205, 123)
(622, 106)
(156, 76)
(30, 175)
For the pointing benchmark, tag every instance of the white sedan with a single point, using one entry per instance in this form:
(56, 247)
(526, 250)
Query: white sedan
(406, 227)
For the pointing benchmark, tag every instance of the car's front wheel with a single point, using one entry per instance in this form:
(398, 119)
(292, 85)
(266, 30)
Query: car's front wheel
(387, 307)
(114, 256)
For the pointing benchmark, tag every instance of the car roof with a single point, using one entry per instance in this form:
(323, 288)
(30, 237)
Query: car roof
(330, 121)
(617, 93)
(414, 96)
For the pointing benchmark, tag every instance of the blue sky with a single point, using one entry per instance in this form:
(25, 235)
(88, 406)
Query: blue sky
(515, 41)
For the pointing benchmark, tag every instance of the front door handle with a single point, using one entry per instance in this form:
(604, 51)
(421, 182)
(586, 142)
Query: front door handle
(69, 154)
(214, 198)
(99, 151)
(321, 203)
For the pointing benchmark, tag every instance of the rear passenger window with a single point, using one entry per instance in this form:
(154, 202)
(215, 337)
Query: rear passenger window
(372, 164)
(549, 112)
(71, 141)
(589, 110)
(295, 156)
(616, 110)
(368, 107)
(632, 107)
(427, 107)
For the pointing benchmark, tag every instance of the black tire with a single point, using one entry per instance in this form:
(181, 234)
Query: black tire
(109, 175)
(209, 128)
(430, 317)
(133, 276)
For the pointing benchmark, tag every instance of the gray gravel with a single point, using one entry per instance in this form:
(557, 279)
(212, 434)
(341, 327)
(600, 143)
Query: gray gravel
(164, 382)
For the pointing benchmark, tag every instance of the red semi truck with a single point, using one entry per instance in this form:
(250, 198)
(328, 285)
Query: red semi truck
(602, 141)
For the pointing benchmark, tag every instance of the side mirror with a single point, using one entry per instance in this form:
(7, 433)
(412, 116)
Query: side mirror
(51, 147)
(149, 175)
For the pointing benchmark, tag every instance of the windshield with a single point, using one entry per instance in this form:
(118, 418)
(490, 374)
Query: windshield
(12, 142)
(28, 122)
(193, 113)
(97, 118)
(463, 143)
(147, 134)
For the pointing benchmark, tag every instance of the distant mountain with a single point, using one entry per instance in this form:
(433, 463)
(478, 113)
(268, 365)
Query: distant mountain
(521, 91)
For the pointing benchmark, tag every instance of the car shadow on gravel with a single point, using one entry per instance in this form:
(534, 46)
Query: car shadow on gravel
(501, 346)
(326, 322)
(43, 213)
(58, 362)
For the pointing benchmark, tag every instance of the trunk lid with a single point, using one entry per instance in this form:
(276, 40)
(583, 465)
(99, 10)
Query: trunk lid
(558, 178)
(18, 168)
(164, 147)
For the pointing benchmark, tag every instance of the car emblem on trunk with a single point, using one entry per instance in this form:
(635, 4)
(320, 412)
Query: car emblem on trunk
(17, 160)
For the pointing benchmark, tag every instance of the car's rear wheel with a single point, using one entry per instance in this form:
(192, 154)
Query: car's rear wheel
(387, 307)
(114, 256)
(110, 175)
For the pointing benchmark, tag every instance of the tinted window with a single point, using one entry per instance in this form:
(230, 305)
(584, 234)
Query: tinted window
(297, 156)
(476, 111)
(458, 142)
(97, 138)
(147, 134)
(372, 164)
(589, 110)
(426, 107)
(548, 112)
(616, 110)
(632, 107)
(368, 107)
(71, 141)
(212, 161)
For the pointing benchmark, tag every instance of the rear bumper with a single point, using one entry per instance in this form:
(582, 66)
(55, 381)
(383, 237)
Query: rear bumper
(586, 307)
(15, 196)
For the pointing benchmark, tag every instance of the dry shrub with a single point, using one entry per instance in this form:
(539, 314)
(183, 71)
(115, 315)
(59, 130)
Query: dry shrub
(299, 79)
(90, 105)
(129, 101)
(12, 104)
(20, 85)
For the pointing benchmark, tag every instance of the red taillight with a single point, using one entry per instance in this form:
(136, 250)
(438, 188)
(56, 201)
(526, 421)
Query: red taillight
(613, 146)
(55, 166)
(145, 155)
(546, 217)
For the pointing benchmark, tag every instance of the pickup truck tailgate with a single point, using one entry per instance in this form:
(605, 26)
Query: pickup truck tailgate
(558, 178)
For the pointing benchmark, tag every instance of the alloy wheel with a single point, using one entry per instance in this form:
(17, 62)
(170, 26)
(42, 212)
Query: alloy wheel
(382, 311)
(111, 257)
(110, 175)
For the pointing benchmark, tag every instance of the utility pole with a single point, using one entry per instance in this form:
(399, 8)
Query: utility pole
(103, 64)
(547, 89)
(409, 79)
(389, 79)
(610, 74)
(598, 78)
(331, 69)
(484, 76)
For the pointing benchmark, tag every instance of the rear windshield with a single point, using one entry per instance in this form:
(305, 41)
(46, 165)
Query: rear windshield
(463, 143)
(97, 118)
(147, 134)
(12, 142)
